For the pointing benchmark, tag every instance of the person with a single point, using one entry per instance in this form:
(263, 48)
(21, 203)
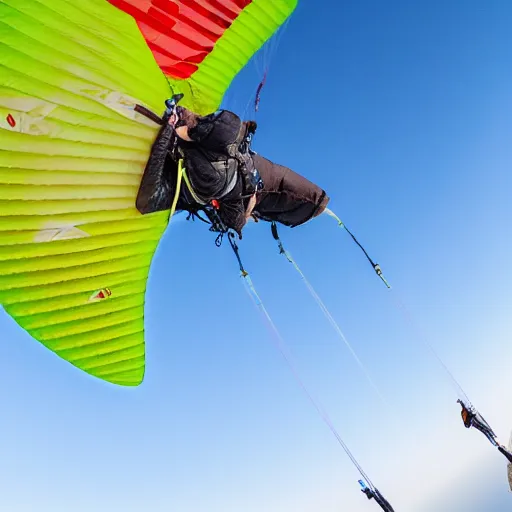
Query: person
(222, 169)
(472, 418)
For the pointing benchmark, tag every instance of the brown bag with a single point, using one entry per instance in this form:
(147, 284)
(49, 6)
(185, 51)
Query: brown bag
(287, 197)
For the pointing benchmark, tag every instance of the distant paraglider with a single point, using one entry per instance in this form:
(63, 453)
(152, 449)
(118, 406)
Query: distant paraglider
(472, 418)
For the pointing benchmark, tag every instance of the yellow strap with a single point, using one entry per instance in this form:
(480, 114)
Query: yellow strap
(181, 173)
(334, 216)
(191, 190)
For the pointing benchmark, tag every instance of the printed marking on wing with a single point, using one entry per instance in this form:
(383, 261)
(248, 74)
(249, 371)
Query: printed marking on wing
(63, 233)
(102, 294)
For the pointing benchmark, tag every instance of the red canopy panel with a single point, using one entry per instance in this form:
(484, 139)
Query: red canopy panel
(181, 33)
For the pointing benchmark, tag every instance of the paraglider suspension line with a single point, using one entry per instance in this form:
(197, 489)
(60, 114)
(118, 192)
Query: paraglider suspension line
(325, 311)
(234, 246)
(281, 345)
(285, 352)
(375, 266)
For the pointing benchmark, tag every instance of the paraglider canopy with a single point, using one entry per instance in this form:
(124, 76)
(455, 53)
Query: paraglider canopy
(75, 252)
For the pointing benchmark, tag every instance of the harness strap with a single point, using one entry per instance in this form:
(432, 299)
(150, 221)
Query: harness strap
(149, 114)
(181, 173)
(241, 151)
(196, 198)
(258, 92)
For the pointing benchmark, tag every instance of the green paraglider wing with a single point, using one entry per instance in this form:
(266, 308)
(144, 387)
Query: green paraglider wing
(74, 252)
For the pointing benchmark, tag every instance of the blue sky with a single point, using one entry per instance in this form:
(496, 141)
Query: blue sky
(402, 112)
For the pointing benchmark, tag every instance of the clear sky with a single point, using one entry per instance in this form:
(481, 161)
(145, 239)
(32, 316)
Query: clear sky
(402, 111)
